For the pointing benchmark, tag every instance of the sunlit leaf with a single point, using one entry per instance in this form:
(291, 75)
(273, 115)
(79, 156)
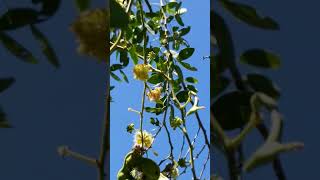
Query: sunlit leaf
(188, 66)
(156, 78)
(192, 80)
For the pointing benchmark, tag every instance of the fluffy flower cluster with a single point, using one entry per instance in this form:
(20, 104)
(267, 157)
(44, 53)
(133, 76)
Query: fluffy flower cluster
(147, 139)
(140, 72)
(90, 29)
(155, 94)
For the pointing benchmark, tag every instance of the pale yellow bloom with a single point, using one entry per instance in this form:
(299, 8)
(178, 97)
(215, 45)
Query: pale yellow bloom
(140, 72)
(147, 139)
(154, 95)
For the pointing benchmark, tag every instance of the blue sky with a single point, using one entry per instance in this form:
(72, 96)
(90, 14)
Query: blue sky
(129, 95)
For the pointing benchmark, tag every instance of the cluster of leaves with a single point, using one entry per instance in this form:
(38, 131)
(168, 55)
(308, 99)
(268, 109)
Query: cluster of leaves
(29, 17)
(154, 41)
(252, 96)
(26, 17)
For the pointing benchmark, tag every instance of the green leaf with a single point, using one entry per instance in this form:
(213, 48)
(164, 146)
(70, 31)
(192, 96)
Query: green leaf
(3, 120)
(260, 58)
(232, 110)
(18, 17)
(249, 15)
(83, 5)
(130, 128)
(226, 53)
(218, 85)
(155, 121)
(124, 76)
(115, 77)
(17, 49)
(115, 67)
(45, 46)
(179, 20)
(185, 54)
(179, 72)
(192, 80)
(183, 96)
(192, 88)
(263, 84)
(49, 7)
(188, 66)
(118, 17)
(5, 83)
(156, 78)
(156, 111)
(133, 55)
(184, 31)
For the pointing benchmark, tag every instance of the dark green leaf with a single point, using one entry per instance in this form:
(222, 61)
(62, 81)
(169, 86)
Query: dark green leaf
(192, 88)
(133, 55)
(124, 58)
(179, 72)
(17, 49)
(232, 110)
(188, 66)
(191, 80)
(263, 84)
(223, 36)
(218, 85)
(130, 128)
(115, 77)
(185, 54)
(115, 67)
(83, 4)
(156, 78)
(124, 76)
(179, 19)
(184, 31)
(183, 96)
(154, 121)
(249, 15)
(45, 46)
(18, 17)
(5, 83)
(49, 7)
(118, 17)
(3, 120)
(260, 58)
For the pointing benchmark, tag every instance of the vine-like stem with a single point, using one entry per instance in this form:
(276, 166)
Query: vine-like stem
(185, 133)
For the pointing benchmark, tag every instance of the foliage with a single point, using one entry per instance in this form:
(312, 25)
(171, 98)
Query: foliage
(251, 102)
(26, 17)
(153, 39)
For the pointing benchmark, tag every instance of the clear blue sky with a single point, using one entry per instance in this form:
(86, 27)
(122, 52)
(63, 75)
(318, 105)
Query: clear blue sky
(129, 95)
